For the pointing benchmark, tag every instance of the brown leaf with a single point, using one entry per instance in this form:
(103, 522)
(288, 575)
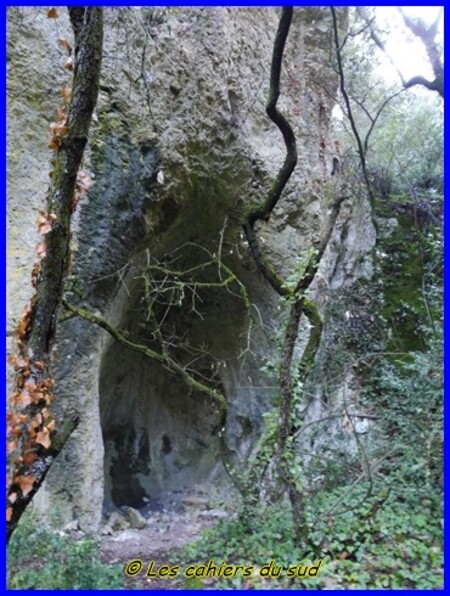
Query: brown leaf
(9, 511)
(37, 396)
(29, 458)
(54, 143)
(37, 421)
(49, 398)
(58, 130)
(65, 44)
(26, 311)
(347, 424)
(25, 483)
(30, 386)
(51, 425)
(41, 250)
(35, 274)
(42, 219)
(24, 323)
(52, 13)
(23, 399)
(43, 438)
(45, 228)
(61, 117)
(11, 446)
(68, 64)
(17, 361)
(66, 93)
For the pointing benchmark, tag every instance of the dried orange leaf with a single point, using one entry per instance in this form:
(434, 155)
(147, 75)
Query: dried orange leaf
(65, 44)
(52, 13)
(58, 130)
(68, 64)
(60, 117)
(23, 399)
(37, 421)
(45, 228)
(54, 143)
(51, 425)
(11, 446)
(37, 396)
(30, 385)
(66, 93)
(25, 483)
(43, 438)
(9, 511)
(17, 361)
(41, 250)
(29, 458)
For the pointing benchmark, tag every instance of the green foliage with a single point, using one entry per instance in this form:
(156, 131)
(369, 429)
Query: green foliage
(41, 559)
(407, 389)
(407, 146)
(378, 541)
(407, 265)
(401, 131)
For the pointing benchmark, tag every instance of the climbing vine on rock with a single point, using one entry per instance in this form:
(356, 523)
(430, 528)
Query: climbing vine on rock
(295, 294)
(33, 437)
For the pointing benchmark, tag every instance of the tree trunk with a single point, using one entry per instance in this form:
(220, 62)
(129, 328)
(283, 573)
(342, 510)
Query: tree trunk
(33, 443)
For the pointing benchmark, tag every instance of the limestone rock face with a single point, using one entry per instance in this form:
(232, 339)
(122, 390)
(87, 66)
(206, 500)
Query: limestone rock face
(179, 148)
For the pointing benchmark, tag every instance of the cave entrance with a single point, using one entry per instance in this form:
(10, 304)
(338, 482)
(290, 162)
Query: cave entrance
(159, 436)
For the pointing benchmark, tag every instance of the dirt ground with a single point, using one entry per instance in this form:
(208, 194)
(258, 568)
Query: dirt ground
(166, 532)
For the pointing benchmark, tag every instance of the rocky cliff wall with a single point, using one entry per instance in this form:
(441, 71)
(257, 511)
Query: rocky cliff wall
(180, 147)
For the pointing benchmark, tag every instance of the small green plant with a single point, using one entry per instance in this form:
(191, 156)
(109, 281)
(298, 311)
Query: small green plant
(38, 558)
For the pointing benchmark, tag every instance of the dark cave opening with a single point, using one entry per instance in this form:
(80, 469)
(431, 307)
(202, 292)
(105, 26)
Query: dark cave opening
(158, 435)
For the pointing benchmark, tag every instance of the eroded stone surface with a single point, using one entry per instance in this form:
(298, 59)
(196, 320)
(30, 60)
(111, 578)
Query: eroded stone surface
(181, 146)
